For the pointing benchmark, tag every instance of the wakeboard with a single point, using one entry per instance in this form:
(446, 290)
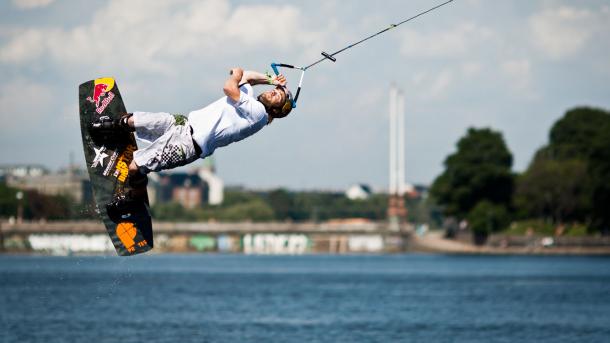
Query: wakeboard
(107, 164)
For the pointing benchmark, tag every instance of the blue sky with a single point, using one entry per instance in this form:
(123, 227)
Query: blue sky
(514, 66)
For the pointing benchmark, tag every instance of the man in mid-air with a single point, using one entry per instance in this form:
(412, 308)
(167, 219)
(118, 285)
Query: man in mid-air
(176, 140)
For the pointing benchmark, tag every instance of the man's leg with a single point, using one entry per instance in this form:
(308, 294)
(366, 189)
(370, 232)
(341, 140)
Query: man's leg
(149, 126)
(154, 126)
(173, 149)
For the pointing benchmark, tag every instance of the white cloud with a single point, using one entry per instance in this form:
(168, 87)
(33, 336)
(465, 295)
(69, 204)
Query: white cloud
(470, 69)
(474, 3)
(519, 73)
(30, 4)
(149, 35)
(22, 103)
(564, 31)
(433, 85)
(369, 98)
(30, 43)
(69, 112)
(457, 41)
(440, 83)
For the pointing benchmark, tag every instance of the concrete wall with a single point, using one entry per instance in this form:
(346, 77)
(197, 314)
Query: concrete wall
(248, 238)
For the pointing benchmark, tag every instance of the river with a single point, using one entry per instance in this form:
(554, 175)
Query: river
(312, 298)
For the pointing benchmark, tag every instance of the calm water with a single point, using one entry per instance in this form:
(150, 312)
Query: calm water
(220, 298)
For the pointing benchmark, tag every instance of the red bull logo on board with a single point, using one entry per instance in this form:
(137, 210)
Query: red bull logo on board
(102, 95)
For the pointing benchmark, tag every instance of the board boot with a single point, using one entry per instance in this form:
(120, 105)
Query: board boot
(107, 131)
(134, 200)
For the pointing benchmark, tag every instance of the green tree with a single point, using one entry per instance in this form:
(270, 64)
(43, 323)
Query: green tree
(599, 171)
(479, 170)
(8, 201)
(486, 218)
(41, 206)
(237, 196)
(173, 211)
(282, 203)
(554, 190)
(573, 136)
(567, 179)
(255, 210)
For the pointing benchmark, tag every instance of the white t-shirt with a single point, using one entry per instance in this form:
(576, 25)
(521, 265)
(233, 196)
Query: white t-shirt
(225, 121)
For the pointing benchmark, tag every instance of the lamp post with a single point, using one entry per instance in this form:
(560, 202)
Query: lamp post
(19, 197)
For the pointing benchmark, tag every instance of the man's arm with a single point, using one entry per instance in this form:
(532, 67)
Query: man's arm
(256, 78)
(231, 87)
(238, 76)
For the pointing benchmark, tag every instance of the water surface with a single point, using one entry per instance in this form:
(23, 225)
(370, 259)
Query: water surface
(237, 298)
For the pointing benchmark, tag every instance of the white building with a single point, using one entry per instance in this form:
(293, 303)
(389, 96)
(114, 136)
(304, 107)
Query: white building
(215, 185)
(358, 192)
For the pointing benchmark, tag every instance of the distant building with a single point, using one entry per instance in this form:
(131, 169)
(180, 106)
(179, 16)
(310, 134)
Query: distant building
(22, 170)
(71, 182)
(215, 185)
(193, 189)
(421, 191)
(358, 192)
(189, 190)
(415, 191)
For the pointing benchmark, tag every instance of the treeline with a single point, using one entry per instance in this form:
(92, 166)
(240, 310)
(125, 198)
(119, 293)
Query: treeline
(36, 206)
(238, 205)
(295, 206)
(279, 205)
(566, 185)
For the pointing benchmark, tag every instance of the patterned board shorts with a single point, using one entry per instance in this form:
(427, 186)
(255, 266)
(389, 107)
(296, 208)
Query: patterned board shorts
(170, 138)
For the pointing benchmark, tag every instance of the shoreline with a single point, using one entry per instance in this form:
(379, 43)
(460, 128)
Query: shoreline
(274, 238)
(433, 242)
